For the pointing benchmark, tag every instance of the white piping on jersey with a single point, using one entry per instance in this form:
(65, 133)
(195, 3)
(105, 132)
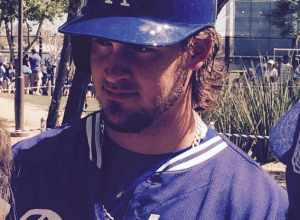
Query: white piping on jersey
(89, 134)
(168, 165)
(190, 152)
(97, 141)
(93, 121)
(201, 158)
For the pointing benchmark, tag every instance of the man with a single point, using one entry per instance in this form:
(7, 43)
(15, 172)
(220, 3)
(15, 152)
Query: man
(147, 154)
(35, 64)
(271, 73)
(286, 70)
(285, 143)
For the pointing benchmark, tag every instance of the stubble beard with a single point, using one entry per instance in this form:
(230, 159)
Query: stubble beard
(138, 120)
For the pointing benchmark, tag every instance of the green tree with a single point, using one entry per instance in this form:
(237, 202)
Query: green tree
(65, 61)
(8, 14)
(36, 12)
(286, 16)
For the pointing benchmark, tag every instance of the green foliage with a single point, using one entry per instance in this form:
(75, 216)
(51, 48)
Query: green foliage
(8, 9)
(34, 10)
(286, 16)
(252, 108)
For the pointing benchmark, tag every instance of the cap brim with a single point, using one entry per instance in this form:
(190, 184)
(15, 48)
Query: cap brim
(133, 30)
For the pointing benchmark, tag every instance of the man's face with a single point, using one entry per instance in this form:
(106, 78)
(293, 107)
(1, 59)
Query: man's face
(135, 85)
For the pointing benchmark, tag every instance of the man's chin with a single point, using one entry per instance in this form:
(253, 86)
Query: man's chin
(128, 123)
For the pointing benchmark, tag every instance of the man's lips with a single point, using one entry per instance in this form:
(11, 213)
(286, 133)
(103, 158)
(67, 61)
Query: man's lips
(116, 93)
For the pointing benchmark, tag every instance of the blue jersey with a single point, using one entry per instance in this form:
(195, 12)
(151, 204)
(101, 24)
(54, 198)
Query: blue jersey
(285, 143)
(59, 173)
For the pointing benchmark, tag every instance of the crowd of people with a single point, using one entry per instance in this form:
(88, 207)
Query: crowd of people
(37, 73)
(7, 76)
(280, 71)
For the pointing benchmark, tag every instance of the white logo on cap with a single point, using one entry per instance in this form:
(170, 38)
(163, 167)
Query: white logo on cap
(154, 217)
(123, 3)
(43, 214)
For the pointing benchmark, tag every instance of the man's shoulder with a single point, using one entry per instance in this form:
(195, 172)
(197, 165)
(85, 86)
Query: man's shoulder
(215, 153)
(35, 56)
(242, 167)
(50, 169)
(233, 165)
(41, 143)
(57, 141)
(220, 176)
(240, 178)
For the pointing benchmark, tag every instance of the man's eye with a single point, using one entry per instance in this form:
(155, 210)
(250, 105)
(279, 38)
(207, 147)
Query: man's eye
(143, 49)
(103, 43)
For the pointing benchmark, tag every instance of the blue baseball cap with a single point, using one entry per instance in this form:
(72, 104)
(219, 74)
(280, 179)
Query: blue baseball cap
(143, 22)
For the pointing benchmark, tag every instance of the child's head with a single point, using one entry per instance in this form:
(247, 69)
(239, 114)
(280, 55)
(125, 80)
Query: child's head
(5, 168)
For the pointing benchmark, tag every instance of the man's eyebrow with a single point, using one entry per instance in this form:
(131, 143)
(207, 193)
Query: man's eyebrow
(144, 46)
(100, 40)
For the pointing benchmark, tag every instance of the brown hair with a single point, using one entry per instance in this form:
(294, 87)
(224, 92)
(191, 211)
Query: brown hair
(5, 164)
(208, 79)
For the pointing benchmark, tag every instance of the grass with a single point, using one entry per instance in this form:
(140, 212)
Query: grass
(252, 108)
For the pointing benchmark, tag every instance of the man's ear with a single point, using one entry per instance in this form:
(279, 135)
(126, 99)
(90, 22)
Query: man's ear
(199, 52)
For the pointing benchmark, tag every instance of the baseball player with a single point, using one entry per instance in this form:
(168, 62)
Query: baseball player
(285, 143)
(147, 154)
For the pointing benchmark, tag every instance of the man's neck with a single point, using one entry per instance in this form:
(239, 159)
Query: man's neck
(175, 130)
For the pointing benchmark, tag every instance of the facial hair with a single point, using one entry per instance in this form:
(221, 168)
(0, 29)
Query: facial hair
(137, 121)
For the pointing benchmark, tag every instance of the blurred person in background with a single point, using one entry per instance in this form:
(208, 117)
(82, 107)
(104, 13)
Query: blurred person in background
(271, 72)
(286, 70)
(37, 75)
(261, 67)
(27, 74)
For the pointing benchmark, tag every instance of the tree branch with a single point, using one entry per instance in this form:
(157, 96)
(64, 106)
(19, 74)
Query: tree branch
(37, 34)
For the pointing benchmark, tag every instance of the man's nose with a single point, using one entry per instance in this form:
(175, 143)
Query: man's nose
(118, 68)
(117, 72)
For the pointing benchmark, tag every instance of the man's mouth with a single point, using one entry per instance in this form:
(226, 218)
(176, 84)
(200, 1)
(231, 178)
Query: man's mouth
(119, 94)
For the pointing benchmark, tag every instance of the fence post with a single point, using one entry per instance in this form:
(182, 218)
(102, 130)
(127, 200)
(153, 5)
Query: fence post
(49, 88)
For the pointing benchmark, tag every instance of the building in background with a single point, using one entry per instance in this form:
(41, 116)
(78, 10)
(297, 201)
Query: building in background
(247, 31)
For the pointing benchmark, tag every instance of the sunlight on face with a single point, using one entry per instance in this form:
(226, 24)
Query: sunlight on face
(136, 84)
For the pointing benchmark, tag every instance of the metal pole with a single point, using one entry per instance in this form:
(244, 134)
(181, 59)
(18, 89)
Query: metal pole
(12, 40)
(19, 95)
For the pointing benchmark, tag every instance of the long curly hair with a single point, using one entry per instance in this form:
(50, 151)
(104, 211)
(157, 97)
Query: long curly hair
(207, 81)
